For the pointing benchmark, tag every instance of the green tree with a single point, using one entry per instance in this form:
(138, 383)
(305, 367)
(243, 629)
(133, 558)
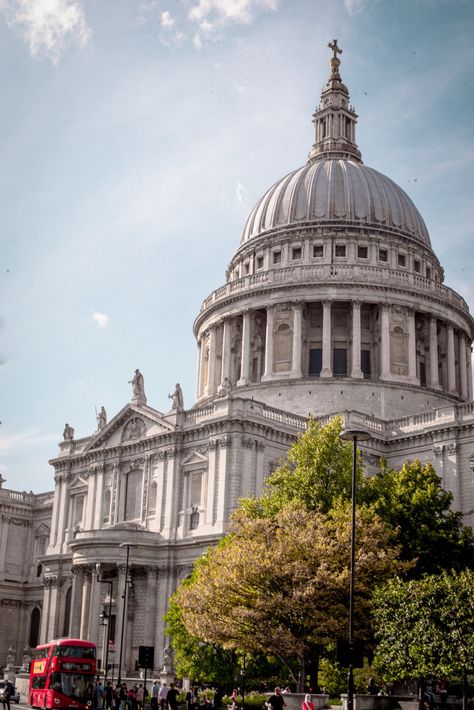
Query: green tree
(195, 659)
(315, 475)
(280, 585)
(417, 508)
(425, 627)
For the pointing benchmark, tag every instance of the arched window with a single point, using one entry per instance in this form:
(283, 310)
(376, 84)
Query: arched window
(67, 612)
(133, 495)
(34, 627)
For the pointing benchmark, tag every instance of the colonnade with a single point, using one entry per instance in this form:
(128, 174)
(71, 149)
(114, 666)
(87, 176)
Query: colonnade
(79, 616)
(216, 343)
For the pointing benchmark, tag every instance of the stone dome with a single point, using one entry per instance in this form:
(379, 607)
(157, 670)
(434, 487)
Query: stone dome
(336, 191)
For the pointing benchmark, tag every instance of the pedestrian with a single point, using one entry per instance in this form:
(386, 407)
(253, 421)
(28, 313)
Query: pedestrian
(276, 701)
(140, 696)
(123, 696)
(172, 697)
(163, 696)
(98, 693)
(307, 703)
(7, 693)
(155, 693)
(109, 696)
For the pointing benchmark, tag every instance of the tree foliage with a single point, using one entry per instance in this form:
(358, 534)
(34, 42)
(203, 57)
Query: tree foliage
(315, 475)
(425, 627)
(280, 585)
(413, 502)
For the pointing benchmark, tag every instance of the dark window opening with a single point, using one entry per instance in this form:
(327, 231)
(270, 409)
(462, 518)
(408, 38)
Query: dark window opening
(402, 260)
(422, 373)
(315, 361)
(340, 250)
(362, 252)
(259, 262)
(417, 266)
(383, 255)
(339, 362)
(365, 362)
(296, 253)
(318, 250)
(428, 272)
(276, 257)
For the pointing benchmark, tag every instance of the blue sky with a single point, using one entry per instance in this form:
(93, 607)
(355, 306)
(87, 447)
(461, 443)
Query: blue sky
(136, 135)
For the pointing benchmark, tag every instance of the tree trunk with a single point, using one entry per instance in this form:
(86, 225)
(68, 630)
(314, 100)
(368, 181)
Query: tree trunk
(301, 676)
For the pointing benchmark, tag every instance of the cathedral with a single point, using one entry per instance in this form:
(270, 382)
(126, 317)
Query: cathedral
(334, 303)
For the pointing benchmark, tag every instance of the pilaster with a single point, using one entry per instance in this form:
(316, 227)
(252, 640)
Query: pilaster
(326, 370)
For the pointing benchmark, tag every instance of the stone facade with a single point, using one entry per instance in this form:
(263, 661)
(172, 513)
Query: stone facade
(334, 303)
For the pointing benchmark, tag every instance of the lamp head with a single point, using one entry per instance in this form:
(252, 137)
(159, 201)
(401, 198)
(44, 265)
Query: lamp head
(353, 434)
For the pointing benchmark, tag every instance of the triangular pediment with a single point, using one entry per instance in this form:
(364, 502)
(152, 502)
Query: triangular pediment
(132, 423)
(41, 530)
(195, 459)
(79, 483)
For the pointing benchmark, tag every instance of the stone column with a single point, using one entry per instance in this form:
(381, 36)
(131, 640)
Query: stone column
(434, 365)
(76, 601)
(198, 369)
(245, 359)
(462, 366)
(150, 614)
(356, 371)
(211, 375)
(86, 600)
(451, 365)
(326, 370)
(94, 610)
(469, 370)
(226, 345)
(297, 339)
(412, 347)
(385, 341)
(119, 616)
(268, 374)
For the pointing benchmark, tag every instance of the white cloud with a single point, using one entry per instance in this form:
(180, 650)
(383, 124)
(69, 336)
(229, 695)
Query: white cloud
(353, 6)
(166, 20)
(221, 12)
(12, 443)
(101, 319)
(48, 26)
(241, 193)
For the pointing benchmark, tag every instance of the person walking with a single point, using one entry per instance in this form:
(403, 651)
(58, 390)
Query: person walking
(276, 701)
(163, 696)
(307, 703)
(155, 694)
(172, 697)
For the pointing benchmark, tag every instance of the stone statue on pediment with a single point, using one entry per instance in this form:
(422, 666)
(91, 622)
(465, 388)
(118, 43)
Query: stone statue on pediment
(138, 388)
(68, 433)
(102, 419)
(177, 397)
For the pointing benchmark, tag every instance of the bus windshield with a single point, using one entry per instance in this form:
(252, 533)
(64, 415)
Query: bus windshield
(73, 685)
(75, 651)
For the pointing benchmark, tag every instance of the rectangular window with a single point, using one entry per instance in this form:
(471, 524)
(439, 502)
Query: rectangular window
(246, 268)
(259, 262)
(296, 253)
(428, 272)
(315, 361)
(318, 251)
(339, 362)
(365, 362)
(277, 257)
(383, 255)
(362, 252)
(417, 266)
(422, 374)
(402, 260)
(340, 250)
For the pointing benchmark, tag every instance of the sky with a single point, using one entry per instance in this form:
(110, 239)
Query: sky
(135, 137)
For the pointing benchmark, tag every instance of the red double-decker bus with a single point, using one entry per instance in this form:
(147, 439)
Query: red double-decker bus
(62, 674)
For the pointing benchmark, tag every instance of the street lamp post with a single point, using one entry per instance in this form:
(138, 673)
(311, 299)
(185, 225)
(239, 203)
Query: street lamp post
(104, 616)
(353, 435)
(128, 545)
